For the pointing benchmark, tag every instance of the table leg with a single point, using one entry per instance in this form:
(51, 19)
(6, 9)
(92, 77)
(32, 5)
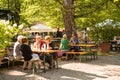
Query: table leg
(44, 61)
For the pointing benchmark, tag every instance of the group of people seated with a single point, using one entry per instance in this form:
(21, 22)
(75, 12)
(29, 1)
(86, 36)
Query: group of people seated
(23, 50)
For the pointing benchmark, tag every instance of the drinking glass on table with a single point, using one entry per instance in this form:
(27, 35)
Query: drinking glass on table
(31, 45)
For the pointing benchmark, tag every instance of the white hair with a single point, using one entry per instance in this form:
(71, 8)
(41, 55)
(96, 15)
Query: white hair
(19, 37)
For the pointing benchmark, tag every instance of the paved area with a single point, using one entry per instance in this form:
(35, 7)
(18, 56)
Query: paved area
(106, 67)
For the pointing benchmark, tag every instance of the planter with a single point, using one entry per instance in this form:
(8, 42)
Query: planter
(105, 47)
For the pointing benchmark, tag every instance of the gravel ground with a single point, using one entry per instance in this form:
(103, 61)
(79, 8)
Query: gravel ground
(106, 67)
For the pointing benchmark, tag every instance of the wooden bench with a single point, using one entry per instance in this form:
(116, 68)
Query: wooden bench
(6, 62)
(81, 54)
(94, 54)
(33, 66)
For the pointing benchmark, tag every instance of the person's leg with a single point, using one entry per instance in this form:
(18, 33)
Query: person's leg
(25, 65)
(55, 55)
(48, 59)
(70, 56)
(29, 64)
(54, 59)
(18, 57)
(44, 60)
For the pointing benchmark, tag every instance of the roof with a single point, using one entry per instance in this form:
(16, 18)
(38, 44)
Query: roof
(40, 28)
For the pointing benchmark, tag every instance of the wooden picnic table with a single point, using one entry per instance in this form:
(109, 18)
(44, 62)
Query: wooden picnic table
(87, 49)
(84, 45)
(47, 52)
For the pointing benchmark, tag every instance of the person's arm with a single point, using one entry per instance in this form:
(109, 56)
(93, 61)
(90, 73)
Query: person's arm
(35, 45)
(60, 44)
(72, 41)
(17, 50)
(51, 46)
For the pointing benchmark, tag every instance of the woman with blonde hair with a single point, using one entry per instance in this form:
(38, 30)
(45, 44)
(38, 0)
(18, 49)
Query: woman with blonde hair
(64, 44)
(48, 45)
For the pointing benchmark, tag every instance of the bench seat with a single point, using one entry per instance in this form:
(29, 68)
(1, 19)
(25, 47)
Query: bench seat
(76, 54)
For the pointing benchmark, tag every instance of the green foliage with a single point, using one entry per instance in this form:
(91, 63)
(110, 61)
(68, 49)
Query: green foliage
(44, 11)
(93, 12)
(6, 33)
(104, 33)
(87, 13)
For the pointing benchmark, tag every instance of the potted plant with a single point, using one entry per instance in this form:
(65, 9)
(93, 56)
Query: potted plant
(102, 36)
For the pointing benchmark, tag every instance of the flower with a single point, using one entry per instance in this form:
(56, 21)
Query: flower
(20, 26)
(7, 32)
(15, 25)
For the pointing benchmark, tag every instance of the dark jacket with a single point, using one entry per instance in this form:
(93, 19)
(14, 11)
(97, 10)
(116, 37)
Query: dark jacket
(26, 52)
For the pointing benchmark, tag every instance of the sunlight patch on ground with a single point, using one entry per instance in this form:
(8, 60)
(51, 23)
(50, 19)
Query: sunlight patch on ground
(15, 73)
(83, 67)
(36, 77)
(69, 78)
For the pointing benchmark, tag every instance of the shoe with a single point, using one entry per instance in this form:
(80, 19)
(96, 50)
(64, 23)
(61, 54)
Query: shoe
(50, 67)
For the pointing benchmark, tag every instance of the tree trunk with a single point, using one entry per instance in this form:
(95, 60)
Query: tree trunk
(68, 17)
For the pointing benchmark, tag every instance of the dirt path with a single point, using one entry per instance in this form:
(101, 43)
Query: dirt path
(104, 68)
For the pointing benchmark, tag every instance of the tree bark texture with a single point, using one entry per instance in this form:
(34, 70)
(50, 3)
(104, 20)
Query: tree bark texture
(68, 17)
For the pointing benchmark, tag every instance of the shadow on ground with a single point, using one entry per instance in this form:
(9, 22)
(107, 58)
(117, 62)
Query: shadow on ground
(56, 74)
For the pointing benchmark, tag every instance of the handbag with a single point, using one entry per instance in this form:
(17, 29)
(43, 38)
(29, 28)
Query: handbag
(59, 53)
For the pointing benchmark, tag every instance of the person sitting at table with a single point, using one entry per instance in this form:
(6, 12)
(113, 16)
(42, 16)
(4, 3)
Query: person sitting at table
(16, 50)
(27, 54)
(64, 44)
(74, 40)
(38, 43)
(48, 45)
